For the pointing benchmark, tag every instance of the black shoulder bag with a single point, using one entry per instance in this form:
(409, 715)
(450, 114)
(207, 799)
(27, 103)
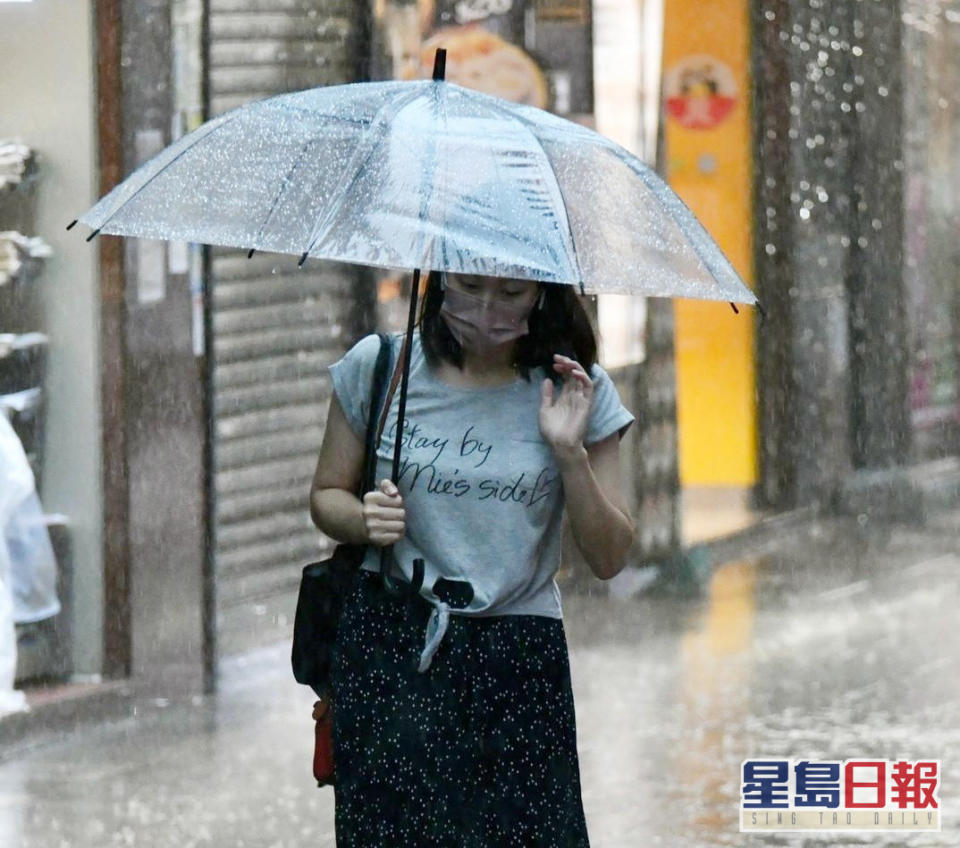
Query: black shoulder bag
(325, 584)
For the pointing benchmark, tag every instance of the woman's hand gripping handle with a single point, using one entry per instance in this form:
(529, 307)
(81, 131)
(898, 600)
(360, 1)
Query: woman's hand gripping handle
(383, 514)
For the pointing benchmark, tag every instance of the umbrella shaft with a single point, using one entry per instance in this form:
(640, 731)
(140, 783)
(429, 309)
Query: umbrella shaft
(386, 552)
(401, 412)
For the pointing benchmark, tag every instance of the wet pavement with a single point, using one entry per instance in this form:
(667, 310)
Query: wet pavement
(838, 641)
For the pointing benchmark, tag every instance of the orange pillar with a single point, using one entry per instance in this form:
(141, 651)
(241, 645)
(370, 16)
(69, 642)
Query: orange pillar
(708, 154)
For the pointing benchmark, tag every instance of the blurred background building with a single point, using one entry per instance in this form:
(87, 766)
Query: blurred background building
(184, 388)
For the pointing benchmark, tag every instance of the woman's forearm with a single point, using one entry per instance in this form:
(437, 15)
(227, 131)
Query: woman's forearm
(339, 514)
(602, 532)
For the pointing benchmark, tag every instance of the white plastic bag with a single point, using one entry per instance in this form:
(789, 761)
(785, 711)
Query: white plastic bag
(11, 700)
(21, 523)
(33, 566)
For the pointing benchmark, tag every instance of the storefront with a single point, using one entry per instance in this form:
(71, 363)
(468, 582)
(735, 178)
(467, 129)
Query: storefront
(47, 104)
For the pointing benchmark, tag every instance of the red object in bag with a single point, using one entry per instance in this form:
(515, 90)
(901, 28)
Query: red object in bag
(323, 746)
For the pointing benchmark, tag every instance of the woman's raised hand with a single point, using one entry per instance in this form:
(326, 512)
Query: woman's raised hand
(383, 514)
(563, 420)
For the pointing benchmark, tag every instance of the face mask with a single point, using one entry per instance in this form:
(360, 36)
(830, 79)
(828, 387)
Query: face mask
(476, 324)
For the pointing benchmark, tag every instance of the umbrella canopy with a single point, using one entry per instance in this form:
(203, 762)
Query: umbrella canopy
(424, 175)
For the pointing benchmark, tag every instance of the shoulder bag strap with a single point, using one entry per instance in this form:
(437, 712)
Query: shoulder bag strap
(397, 374)
(375, 426)
(378, 384)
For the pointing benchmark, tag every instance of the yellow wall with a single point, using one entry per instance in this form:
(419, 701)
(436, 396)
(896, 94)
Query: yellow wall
(715, 374)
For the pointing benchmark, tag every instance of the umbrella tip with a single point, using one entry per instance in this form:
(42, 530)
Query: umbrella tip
(250, 252)
(440, 64)
(760, 309)
(72, 224)
(302, 260)
(734, 307)
(93, 235)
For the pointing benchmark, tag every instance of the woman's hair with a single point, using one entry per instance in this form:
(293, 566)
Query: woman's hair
(560, 325)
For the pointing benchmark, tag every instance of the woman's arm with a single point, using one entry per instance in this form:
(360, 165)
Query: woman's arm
(334, 508)
(596, 506)
(592, 487)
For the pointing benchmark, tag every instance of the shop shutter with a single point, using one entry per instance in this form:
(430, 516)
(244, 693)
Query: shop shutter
(275, 329)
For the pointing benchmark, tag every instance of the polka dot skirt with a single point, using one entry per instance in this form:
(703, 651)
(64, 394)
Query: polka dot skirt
(478, 750)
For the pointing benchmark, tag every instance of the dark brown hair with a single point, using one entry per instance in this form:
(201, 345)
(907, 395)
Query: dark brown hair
(561, 325)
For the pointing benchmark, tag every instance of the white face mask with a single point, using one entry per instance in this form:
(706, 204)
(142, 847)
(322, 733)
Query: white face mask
(477, 324)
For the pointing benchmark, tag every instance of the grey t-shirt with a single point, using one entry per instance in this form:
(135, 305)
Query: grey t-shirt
(482, 494)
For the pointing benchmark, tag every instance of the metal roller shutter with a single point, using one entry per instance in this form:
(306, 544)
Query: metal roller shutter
(275, 329)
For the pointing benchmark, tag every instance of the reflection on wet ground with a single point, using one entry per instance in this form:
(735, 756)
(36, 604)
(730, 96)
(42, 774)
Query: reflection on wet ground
(839, 644)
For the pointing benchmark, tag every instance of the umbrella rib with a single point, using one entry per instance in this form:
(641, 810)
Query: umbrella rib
(176, 158)
(574, 260)
(287, 102)
(283, 188)
(683, 215)
(351, 175)
(438, 91)
(313, 113)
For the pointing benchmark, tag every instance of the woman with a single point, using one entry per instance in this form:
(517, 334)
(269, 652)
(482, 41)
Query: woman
(454, 720)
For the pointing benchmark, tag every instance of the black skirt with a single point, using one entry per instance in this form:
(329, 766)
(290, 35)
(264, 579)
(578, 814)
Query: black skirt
(478, 750)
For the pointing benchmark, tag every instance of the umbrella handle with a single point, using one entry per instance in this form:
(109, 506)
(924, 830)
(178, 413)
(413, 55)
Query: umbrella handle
(394, 587)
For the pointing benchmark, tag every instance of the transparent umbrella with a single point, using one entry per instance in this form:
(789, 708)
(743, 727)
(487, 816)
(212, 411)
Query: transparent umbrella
(424, 175)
